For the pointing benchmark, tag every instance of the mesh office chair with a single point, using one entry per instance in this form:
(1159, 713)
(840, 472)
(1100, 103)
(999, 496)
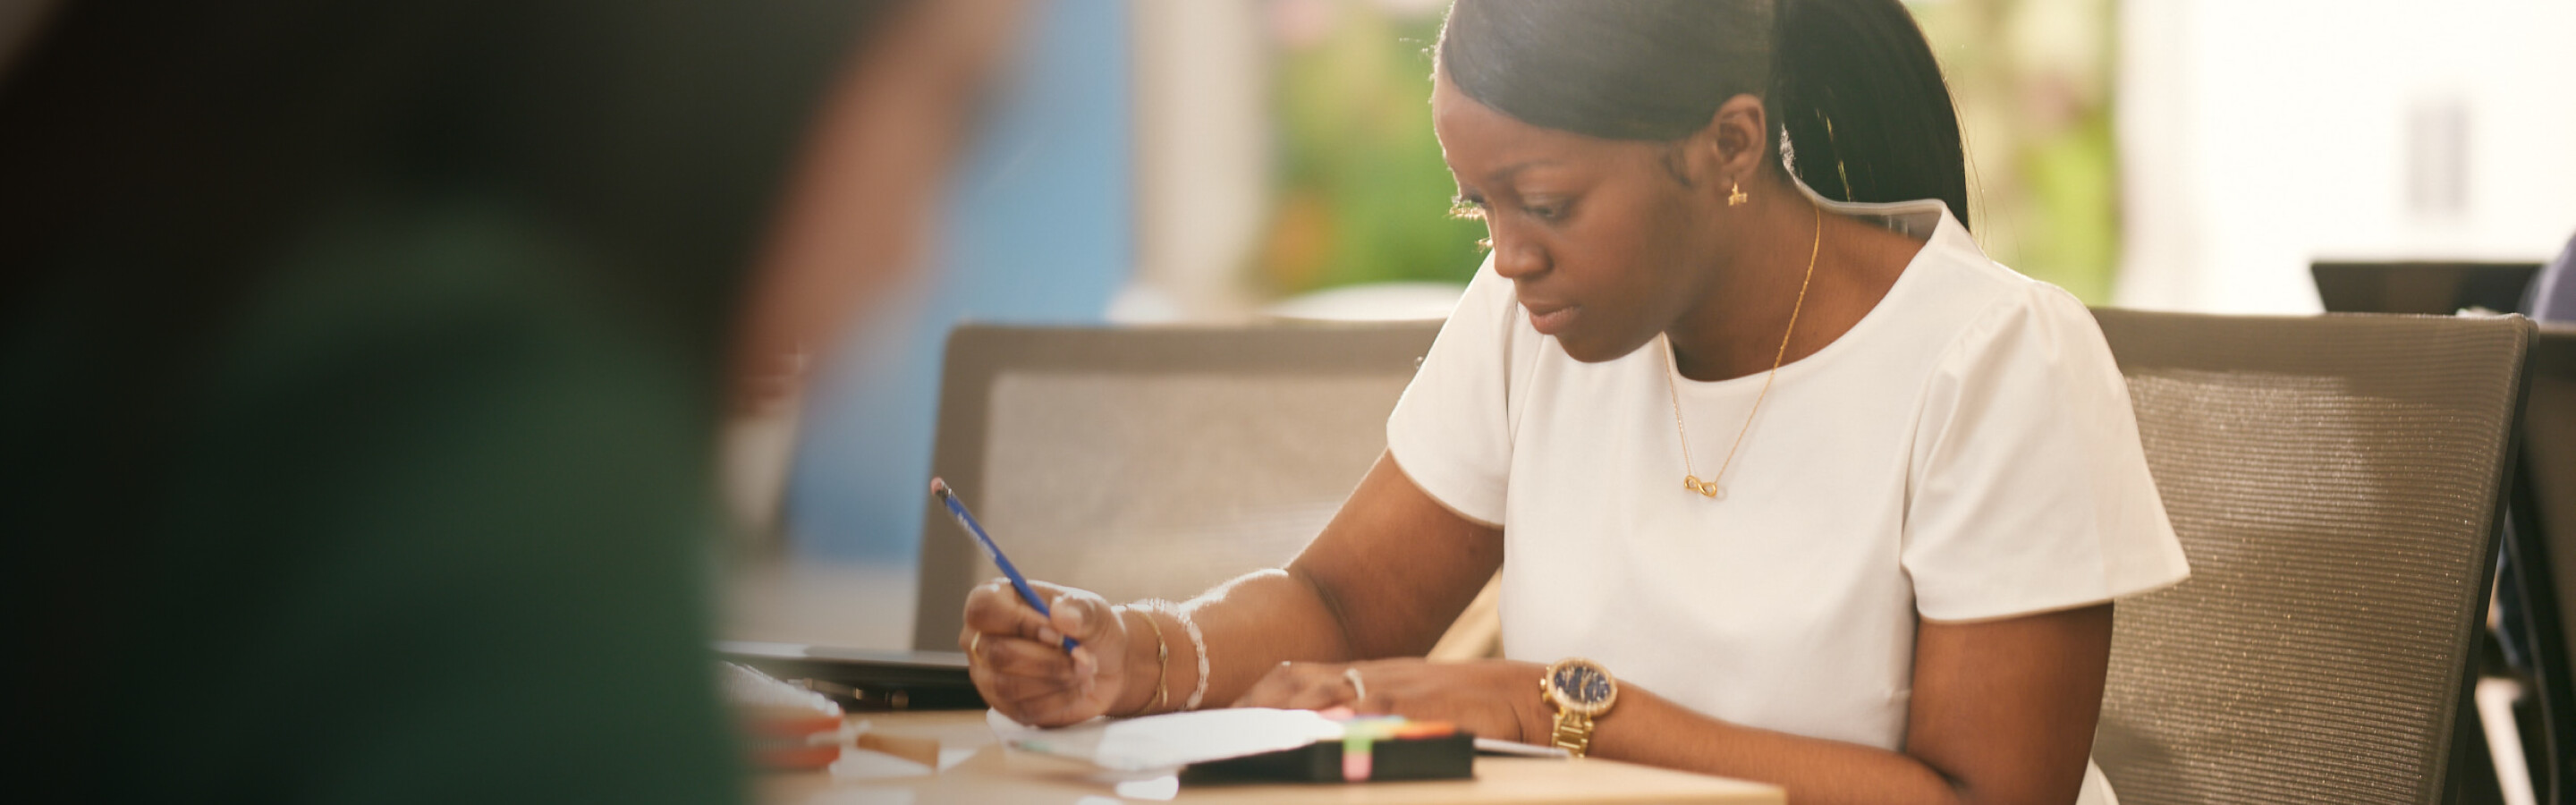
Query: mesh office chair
(2336, 483)
(2544, 536)
(1152, 462)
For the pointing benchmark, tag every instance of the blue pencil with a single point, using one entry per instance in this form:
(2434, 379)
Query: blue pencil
(957, 508)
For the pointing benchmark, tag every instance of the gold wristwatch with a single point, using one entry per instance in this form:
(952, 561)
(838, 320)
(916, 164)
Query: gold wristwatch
(1582, 691)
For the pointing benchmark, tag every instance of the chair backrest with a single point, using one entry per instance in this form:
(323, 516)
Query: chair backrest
(1152, 462)
(2336, 482)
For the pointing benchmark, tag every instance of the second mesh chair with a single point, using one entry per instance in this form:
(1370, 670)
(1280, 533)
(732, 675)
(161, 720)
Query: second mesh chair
(1152, 462)
(2544, 539)
(2336, 484)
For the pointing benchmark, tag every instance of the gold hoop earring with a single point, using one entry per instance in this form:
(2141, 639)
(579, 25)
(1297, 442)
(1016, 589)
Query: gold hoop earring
(1735, 195)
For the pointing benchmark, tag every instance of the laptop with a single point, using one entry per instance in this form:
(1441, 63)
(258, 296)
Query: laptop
(2427, 288)
(863, 679)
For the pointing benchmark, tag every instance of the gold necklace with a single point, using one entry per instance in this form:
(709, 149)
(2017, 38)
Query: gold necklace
(1690, 479)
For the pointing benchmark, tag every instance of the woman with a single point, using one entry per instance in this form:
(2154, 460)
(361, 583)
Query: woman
(1827, 498)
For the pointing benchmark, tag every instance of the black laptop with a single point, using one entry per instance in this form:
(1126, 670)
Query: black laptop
(863, 679)
(2423, 287)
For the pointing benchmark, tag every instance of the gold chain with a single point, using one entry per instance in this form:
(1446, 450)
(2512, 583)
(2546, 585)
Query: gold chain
(1690, 478)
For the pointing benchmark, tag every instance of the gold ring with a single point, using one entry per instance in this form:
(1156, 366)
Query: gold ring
(1359, 689)
(974, 646)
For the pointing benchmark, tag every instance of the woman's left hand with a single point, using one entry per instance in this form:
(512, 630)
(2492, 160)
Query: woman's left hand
(1491, 698)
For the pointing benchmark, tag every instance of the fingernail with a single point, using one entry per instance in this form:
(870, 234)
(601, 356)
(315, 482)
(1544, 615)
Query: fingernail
(1049, 635)
(1073, 618)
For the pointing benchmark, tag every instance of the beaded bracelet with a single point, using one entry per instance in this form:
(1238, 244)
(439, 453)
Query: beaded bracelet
(1198, 641)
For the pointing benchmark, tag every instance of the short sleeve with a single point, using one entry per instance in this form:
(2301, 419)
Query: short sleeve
(1451, 431)
(2029, 491)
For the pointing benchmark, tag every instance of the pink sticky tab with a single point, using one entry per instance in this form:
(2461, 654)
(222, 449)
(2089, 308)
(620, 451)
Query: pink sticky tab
(1355, 765)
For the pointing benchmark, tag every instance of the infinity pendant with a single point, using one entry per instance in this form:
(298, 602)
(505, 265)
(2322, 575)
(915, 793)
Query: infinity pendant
(1706, 489)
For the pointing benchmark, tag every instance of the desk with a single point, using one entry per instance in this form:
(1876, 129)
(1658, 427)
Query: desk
(987, 776)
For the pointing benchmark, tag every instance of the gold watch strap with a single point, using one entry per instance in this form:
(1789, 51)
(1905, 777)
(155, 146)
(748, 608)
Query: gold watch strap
(1573, 732)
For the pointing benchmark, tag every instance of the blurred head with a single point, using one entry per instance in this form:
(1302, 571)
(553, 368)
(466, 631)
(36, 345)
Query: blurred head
(1600, 141)
(742, 175)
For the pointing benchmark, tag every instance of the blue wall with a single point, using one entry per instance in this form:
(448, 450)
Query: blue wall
(1039, 230)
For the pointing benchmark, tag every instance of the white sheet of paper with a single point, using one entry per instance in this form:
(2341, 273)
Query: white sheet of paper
(1171, 740)
(861, 764)
(1499, 746)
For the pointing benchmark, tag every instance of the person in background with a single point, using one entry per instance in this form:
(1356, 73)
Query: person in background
(1886, 577)
(2552, 297)
(360, 365)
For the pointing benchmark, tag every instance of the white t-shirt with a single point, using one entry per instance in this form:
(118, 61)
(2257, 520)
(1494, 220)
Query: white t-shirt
(1965, 452)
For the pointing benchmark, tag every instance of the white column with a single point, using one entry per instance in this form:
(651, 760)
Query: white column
(1202, 158)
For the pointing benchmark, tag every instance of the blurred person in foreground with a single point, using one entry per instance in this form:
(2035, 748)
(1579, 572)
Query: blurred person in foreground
(360, 367)
(1898, 590)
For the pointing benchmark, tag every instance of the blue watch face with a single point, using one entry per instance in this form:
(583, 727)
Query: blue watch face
(1583, 684)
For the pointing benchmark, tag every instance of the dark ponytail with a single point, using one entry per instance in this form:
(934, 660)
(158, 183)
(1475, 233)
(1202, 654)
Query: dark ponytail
(1851, 82)
(1868, 116)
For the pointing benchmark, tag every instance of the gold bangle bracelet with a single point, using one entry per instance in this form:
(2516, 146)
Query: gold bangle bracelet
(1162, 664)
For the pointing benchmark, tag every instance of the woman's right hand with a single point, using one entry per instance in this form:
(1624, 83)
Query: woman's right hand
(1018, 661)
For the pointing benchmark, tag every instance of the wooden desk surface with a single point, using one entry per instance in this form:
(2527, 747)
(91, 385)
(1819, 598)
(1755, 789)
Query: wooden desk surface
(992, 775)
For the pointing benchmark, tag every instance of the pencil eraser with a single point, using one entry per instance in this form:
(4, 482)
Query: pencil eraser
(938, 487)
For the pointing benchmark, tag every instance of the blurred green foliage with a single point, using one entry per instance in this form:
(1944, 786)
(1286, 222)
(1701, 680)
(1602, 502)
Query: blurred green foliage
(2032, 79)
(1361, 191)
